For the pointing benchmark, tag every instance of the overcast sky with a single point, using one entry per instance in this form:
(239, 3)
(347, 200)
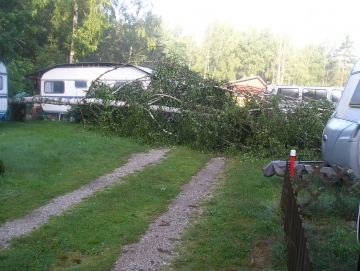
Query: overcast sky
(305, 21)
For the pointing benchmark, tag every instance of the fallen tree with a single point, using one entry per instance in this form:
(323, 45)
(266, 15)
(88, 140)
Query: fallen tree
(179, 107)
(84, 101)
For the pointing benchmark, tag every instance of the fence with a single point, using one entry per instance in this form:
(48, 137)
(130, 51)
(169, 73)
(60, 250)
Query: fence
(338, 184)
(298, 257)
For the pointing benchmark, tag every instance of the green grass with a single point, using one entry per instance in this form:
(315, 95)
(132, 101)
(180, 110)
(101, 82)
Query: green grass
(89, 236)
(333, 243)
(331, 227)
(241, 228)
(47, 159)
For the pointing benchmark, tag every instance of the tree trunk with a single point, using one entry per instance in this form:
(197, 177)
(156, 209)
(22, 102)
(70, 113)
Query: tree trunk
(75, 22)
(84, 101)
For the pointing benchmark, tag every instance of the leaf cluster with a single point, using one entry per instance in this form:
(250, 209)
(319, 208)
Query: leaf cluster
(280, 125)
(204, 114)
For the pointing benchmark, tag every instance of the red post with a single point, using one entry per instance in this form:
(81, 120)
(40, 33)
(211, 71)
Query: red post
(292, 162)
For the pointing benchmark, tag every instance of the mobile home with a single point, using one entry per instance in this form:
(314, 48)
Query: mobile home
(3, 91)
(72, 80)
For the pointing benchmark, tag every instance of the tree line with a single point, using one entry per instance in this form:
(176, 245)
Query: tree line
(38, 33)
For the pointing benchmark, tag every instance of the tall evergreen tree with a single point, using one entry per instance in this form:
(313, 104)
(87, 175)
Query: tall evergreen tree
(346, 59)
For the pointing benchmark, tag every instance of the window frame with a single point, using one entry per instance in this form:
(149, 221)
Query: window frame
(83, 84)
(315, 90)
(289, 90)
(355, 98)
(54, 91)
(332, 95)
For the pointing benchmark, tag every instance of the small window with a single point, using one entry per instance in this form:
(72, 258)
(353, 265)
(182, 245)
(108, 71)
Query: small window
(120, 83)
(336, 95)
(316, 94)
(1, 82)
(80, 84)
(355, 99)
(290, 92)
(54, 87)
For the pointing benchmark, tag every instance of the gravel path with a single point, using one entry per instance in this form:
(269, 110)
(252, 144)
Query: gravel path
(38, 217)
(155, 250)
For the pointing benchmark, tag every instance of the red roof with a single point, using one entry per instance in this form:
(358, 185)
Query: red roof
(250, 84)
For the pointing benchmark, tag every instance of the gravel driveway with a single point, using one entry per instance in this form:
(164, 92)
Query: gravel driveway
(156, 248)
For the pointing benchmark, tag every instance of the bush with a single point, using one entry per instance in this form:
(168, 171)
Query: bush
(281, 125)
(208, 118)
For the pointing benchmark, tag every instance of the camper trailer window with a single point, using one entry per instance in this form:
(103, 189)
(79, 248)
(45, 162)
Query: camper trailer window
(336, 95)
(120, 83)
(355, 99)
(290, 92)
(316, 94)
(1, 82)
(54, 87)
(80, 84)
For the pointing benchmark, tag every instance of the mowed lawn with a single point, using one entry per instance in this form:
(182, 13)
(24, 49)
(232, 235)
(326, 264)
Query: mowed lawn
(240, 229)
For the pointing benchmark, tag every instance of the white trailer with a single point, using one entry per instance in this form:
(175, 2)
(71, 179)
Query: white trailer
(72, 80)
(3, 91)
(341, 136)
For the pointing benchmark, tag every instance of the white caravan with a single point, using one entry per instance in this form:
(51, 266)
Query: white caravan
(72, 80)
(3, 91)
(341, 136)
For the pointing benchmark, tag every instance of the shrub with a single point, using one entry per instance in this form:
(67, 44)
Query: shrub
(208, 118)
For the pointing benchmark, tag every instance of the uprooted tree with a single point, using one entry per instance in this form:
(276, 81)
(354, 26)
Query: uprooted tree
(179, 107)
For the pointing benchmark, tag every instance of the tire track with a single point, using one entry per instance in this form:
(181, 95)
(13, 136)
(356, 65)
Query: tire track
(40, 216)
(155, 250)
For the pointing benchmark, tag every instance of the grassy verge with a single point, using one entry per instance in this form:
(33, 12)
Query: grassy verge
(47, 159)
(89, 236)
(241, 227)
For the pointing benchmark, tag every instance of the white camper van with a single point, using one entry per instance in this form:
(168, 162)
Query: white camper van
(72, 80)
(332, 94)
(341, 136)
(3, 91)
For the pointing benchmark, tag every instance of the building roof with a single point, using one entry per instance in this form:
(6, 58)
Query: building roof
(256, 82)
(39, 73)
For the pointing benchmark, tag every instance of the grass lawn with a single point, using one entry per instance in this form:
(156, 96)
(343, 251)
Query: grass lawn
(47, 159)
(240, 228)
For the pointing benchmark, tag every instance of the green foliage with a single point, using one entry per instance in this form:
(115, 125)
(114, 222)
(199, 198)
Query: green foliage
(280, 125)
(203, 114)
(16, 70)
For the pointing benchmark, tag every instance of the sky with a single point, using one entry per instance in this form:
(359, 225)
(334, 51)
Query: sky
(305, 21)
